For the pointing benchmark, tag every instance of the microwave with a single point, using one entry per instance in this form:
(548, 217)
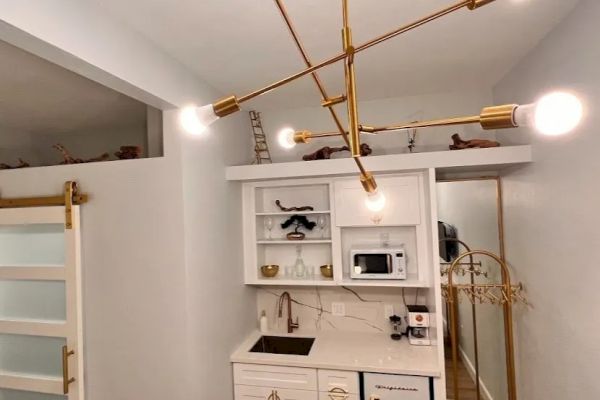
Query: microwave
(378, 263)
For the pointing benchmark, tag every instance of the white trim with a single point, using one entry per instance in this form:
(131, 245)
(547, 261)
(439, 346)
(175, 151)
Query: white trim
(31, 383)
(32, 273)
(455, 161)
(34, 328)
(485, 393)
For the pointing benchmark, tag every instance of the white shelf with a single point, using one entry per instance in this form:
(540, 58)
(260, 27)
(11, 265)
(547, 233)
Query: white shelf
(284, 213)
(446, 161)
(294, 242)
(408, 283)
(285, 281)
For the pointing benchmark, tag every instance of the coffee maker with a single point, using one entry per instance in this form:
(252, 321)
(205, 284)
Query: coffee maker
(418, 326)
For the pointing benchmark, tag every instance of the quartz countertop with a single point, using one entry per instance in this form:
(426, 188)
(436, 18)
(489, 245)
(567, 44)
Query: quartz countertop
(350, 351)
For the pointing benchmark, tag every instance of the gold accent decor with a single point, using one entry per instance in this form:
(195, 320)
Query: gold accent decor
(69, 198)
(326, 270)
(368, 182)
(498, 117)
(352, 134)
(225, 106)
(65, 369)
(475, 4)
(333, 101)
(337, 393)
(269, 271)
(505, 294)
(302, 137)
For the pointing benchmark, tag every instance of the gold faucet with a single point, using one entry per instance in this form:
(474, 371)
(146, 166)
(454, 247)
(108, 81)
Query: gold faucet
(291, 325)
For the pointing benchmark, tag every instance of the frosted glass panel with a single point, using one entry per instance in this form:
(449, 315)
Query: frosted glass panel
(6, 394)
(43, 300)
(36, 244)
(31, 355)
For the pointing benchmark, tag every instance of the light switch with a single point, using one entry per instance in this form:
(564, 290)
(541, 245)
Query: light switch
(338, 309)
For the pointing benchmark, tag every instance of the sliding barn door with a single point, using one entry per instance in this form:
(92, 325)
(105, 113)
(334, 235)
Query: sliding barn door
(40, 305)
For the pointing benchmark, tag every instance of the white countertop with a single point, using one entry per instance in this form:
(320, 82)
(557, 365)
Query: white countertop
(350, 351)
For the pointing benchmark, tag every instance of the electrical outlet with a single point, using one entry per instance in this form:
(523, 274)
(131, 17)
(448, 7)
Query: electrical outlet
(338, 309)
(388, 310)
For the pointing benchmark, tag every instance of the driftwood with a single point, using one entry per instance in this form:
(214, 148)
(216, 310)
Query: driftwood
(69, 159)
(21, 164)
(459, 144)
(325, 153)
(288, 209)
(128, 152)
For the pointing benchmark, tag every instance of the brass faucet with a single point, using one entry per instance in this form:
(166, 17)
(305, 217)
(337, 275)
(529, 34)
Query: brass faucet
(291, 325)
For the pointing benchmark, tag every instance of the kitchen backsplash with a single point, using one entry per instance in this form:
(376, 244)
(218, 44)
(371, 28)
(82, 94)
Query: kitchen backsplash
(364, 307)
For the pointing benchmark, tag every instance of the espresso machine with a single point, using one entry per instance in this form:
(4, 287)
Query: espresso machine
(418, 325)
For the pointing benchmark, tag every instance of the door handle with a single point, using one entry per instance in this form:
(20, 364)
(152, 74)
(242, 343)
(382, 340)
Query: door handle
(65, 369)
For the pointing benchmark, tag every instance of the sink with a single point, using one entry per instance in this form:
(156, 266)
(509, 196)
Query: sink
(283, 345)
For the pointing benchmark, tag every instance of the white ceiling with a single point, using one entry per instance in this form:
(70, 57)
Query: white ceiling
(240, 45)
(37, 97)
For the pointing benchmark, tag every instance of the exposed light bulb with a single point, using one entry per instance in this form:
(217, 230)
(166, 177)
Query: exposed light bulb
(375, 201)
(554, 114)
(196, 120)
(285, 137)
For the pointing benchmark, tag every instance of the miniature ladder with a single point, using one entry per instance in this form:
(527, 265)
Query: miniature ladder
(261, 148)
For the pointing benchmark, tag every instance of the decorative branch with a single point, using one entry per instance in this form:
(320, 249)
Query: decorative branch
(21, 164)
(288, 209)
(69, 159)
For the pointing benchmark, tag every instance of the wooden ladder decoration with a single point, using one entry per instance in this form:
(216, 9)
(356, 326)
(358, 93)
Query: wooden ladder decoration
(261, 147)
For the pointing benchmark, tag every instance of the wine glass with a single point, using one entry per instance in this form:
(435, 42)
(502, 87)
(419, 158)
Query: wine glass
(268, 225)
(322, 222)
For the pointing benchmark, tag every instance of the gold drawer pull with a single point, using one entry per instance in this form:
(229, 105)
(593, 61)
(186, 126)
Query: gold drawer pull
(337, 393)
(273, 396)
(65, 369)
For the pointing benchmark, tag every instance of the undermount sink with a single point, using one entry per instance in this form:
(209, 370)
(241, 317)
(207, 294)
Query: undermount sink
(283, 345)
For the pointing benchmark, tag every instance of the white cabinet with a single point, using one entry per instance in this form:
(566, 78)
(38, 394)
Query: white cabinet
(275, 376)
(402, 207)
(243, 392)
(338, 381)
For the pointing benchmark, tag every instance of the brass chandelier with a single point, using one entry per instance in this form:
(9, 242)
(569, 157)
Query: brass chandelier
(553, 114)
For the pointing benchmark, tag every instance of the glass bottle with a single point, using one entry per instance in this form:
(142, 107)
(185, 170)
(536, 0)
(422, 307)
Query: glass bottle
(299, 266)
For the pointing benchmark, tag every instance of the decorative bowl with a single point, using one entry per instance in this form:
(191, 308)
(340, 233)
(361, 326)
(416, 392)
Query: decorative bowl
(327, 270)
(269, 271)
(295, 236)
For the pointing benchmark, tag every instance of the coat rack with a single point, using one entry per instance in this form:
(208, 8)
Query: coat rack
(504, 294)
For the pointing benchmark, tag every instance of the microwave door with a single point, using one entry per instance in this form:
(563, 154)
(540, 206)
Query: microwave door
(374, 264)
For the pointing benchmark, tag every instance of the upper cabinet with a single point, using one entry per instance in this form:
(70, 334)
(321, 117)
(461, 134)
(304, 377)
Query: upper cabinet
(338, 221)
(402, 202)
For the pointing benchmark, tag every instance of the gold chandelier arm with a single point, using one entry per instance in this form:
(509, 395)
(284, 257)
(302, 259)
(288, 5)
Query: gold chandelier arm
(316, 79)
(432, 17)
(424, 124)
(350, 76)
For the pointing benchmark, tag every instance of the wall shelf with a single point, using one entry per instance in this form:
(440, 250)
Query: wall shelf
(284, 213)
(492, 159)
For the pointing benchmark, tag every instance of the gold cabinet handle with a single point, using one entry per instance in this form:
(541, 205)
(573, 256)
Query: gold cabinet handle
(337, 393)
(65, 369)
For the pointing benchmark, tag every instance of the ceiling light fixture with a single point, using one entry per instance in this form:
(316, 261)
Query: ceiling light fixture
(546, 115)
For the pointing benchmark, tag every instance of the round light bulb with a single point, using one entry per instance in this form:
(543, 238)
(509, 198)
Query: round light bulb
(196, 120)
(554, 114)
(285, 137)
(375, 201)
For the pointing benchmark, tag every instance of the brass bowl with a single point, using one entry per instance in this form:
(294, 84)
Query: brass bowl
(327, 270)
(269, 271)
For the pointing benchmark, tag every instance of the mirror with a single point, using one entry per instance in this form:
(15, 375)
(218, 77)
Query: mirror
(470, 215)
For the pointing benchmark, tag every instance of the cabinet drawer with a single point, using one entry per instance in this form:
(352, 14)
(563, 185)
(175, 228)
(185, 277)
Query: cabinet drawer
(275, 376)
(338, 396)
(402, 202)
(344, 380)
(243, 392)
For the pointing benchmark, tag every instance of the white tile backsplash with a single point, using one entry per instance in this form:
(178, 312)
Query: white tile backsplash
(365, 309)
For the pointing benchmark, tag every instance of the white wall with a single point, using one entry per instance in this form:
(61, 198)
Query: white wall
(382, 112)
(160, 254)
(552, 221)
